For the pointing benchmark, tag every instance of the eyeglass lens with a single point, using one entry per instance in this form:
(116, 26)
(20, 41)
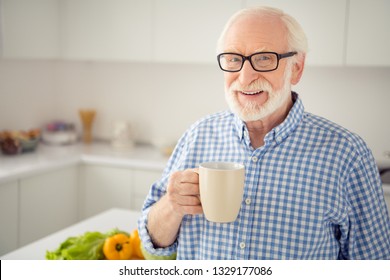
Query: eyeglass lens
(260, 61)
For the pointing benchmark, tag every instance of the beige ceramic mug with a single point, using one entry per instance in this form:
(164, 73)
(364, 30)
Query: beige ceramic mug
(221, 187)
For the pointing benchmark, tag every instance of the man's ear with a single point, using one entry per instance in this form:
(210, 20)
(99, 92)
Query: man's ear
(297, 69)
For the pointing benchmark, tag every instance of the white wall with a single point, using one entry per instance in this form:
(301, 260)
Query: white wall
(162, 100)
(27, 94)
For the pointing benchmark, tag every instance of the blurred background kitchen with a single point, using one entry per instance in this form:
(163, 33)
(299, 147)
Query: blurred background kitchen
(152, 64)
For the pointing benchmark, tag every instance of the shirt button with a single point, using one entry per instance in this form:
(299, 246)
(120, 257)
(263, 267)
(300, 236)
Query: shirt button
(255, 159)
(279, 139)
(248, 201)
(242, 245)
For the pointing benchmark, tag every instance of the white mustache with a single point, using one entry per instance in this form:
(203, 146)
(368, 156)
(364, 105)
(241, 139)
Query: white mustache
(254, 86)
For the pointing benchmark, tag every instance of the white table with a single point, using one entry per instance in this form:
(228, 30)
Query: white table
(125, 220)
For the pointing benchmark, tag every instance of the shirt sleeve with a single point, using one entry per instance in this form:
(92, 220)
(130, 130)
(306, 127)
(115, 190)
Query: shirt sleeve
(157, 190)
(367, 235)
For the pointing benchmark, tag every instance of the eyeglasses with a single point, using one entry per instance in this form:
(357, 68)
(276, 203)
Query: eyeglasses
(260, 61)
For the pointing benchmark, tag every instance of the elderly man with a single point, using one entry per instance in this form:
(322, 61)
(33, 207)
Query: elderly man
(312, 188)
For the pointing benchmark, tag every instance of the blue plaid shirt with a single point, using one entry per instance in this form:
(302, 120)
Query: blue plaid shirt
(312, 191)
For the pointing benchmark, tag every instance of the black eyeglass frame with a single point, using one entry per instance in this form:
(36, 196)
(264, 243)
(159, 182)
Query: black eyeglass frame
(249, 58)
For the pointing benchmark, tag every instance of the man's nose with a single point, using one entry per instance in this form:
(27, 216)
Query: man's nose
(247, 74)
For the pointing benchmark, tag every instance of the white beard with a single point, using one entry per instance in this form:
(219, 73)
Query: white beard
(252, 111)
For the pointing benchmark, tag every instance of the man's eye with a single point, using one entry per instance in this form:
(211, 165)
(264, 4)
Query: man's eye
(233, 59)
(263, 58)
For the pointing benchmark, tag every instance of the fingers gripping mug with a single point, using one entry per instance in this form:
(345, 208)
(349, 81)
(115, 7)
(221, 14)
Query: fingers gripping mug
(221, 187)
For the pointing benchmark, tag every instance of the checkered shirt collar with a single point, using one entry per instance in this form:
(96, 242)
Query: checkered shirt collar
(283, 130)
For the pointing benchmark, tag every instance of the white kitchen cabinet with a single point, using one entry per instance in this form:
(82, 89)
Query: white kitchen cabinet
(104, 187)
(8, 217)
(48, 202)
(368, 33)
(323, 23)
(340, 32)
(187, 31)
(143, 180)
(30, 29)
(106, 29)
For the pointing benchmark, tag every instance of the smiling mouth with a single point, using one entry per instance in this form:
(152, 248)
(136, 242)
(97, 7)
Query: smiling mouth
(251, 92)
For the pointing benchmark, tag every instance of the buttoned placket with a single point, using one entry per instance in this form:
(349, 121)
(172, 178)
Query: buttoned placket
(252, 165)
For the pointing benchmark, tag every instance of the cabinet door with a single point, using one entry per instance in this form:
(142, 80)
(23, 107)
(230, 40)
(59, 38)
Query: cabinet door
(30, 28)
(143, 180)
(187, 30)
(324, 25)
(48, 203)
(107, 29)
(8, 217)
(104, 187)
(369, 33)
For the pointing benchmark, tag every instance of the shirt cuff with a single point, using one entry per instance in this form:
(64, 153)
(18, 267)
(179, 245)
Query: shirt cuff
(147, 240)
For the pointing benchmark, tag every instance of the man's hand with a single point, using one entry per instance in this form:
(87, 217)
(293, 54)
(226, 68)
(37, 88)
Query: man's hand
(182, 198)
(183, 192)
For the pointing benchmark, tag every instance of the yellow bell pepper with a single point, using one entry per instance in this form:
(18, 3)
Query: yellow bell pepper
(118, 247)
(135, 242)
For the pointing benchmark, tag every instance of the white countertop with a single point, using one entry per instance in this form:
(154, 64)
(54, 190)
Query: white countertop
(48, 157)
(51, 157)
(125, 220)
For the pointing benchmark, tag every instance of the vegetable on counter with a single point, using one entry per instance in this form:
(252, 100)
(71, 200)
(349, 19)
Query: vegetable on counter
(113, 245)
(118, 247)
(135, 240)
(90, 246)
(85, 247)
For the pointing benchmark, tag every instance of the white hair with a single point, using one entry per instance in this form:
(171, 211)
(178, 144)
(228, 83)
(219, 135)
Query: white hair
(296, 37)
